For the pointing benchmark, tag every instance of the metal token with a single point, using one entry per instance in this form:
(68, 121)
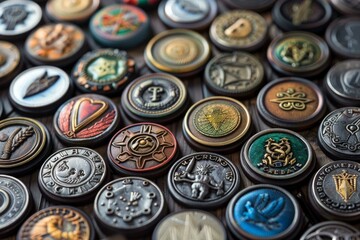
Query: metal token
(258, 5)
(86, 120)
(203, 180)
(158, 97)
(120, 25)
(305, 15)
(144, 149)
(347, 7)
(338, 134)
(18, 17)
(104, 71)
(10, 62)
(24, 143)
(300, 53)
(235, 74)
(71, 10)
(130, 205)
(40, 89)
(343, 36)
(72, 175)
(264, 212)
(179, 52)
(15, 204)
(55, 44)
(334, 191)
(277, 156)
(331, 230)
(343, 83)
(239, 30)
(217, 124)
(190, 224)
(58, 222)
(187, 14)
(292, 103)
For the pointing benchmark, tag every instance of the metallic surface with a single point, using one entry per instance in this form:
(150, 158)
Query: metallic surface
(71, 10)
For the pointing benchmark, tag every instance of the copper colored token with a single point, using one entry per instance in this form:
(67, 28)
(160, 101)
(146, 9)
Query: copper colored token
(59, 222)
(293, 103)
(144, 149)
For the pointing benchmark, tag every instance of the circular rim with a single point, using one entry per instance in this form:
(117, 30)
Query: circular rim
(342, 7)
(327, 224)
(52, 12)
(248, 6)
(8, 75)
(203, 204)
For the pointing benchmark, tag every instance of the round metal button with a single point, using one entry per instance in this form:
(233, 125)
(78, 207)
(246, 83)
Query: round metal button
(343, 36)
(331, 230)
(58, 222)
(157, 97)
(277, 156)
(305, 15)
(338, 133)
(70, 10)
(18, 18)
(10, 62)
(104, 71)
(293, 103)
(120, 25)
(343, 82)
(203, 180)
(40, 89)
(131, 206)
(239, 30)
(235, 74)
(179, 52)
(347, 7)
(299, 53)
(144, 149)
(334, 192)
(55, 44)
(218, 124)
(190, 224)
(15, 204)
(86, 120)
(187, 14)
(257, 5)
(24, 143)
(72, 175)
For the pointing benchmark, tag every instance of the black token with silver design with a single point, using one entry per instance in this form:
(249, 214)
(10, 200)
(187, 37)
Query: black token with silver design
(331, 230)
(235, 74)
(131, 206)
(334, 191)
(203, 180)
(15, 204)
(72, 175)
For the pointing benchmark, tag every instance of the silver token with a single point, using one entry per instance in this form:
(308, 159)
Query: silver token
(331, 230)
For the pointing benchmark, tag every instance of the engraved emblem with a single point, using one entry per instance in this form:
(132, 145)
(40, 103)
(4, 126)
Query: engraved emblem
(297, 53)
(155, 96)
(278, 154)
(350, 37)
(345, 184)
(301, 12)
(14, 141)
(75, 5)
(264, 212)
(40, 84)
(352, 78)
(190, 6)
(239, 29)
(179, 51)
(291, 100)
(14, 15)
(119, 21)
(101, 68)
(217, 120)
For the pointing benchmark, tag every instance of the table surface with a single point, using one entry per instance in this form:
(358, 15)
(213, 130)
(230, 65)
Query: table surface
(197, 91)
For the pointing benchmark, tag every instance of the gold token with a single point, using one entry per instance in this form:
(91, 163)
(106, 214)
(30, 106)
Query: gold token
(71, 10)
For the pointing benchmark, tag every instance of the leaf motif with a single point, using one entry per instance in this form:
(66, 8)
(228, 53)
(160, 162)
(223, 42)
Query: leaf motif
(64, 117)
(98, 127)
(41, 84)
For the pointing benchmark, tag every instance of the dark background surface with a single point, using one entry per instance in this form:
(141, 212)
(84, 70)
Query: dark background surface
(196, 91)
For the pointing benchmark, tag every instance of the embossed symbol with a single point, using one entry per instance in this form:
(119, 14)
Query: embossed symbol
(120, 21)
(190, 6)
(200, 178)
(301, 12)
(41, 84)
(102, 67)
(350, 38)
(239, 29)
(69, 172)
(77, 119)
(145, 145)
(298, 53)
(155, 90)
(291, 100)
(352, 78)
(14, 141)
(264, 212)
(179, 51)
(278, 154)
(345, 184)
(14, 15)
(56, 38)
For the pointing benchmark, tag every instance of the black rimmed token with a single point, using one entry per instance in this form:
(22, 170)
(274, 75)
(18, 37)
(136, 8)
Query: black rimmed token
(72, 175)
(131, 206)
(11, 62)
(15, 202)
(331, 230)
(24, 143)
(257, 5)
(278, 156)
(86, 120)
(203, 180)
(347, 7)
(334, 191)
(40, 89)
